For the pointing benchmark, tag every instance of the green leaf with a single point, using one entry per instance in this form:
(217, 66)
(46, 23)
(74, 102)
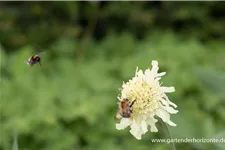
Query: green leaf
(212, 80)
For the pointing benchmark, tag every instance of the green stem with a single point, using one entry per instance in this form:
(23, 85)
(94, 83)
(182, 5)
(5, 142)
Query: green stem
(164, 125)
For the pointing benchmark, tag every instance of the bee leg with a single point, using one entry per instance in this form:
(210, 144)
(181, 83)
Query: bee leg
(132, 103)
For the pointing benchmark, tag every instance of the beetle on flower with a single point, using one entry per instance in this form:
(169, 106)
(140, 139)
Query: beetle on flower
(150, 100)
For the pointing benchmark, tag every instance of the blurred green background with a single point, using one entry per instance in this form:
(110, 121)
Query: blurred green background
(70, 101)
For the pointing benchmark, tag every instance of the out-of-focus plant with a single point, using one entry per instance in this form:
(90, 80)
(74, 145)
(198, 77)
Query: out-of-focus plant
(23, 24)
(69, 105)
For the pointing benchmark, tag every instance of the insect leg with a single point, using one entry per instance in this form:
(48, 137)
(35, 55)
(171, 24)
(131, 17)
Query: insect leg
(132, 103)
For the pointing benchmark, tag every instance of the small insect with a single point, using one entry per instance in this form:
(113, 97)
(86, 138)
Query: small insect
(35, 59)
(125, 109)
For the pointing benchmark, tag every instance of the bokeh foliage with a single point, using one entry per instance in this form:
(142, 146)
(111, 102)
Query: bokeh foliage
(65, 104)
(21, 22)
(70, 101)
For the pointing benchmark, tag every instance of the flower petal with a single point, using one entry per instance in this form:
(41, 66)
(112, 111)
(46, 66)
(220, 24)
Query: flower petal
(168, 101)
(165, 116)
(151, 122)
(144, 127)
(167, 89)
(139, 73)
(174, 105)
(169, 109)
(161, 74)
(155, 68)
(124, 122)
(171, 123)
(165, 106)
(135, 130)
(155, 63)
(138, 128)
(150, 100)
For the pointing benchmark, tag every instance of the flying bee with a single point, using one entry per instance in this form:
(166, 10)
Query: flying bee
(35, 59)
(125, 109)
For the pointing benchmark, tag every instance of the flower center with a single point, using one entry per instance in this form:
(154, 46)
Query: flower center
(144, 96)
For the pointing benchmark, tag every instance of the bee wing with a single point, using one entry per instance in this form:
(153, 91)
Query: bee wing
(41, 53)
(26, 61)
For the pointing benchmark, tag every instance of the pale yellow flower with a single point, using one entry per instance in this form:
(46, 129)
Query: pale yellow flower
(151, 101)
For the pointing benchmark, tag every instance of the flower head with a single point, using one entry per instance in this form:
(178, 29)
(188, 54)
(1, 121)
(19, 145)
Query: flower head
(150, 100)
